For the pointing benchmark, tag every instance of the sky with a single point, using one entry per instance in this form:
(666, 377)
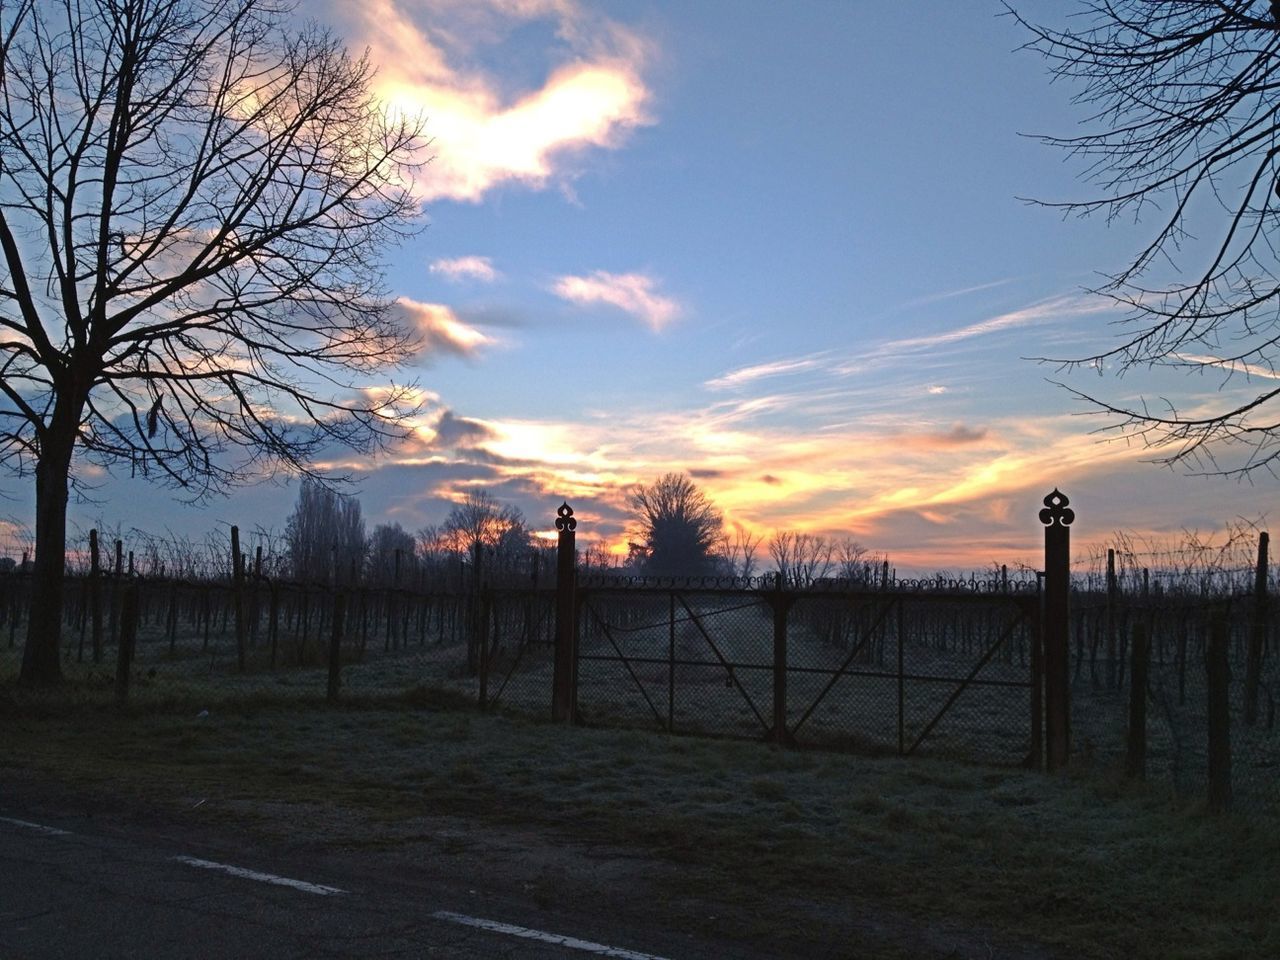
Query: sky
(783, 247)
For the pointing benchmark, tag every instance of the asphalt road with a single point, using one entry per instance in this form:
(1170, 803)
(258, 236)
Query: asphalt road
(83, 885)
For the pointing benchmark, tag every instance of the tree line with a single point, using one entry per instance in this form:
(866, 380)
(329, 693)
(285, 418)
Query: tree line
(675, 531)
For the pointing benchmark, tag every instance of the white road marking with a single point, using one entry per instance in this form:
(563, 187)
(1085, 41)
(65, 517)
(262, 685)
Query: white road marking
(573, 943)
(37, 827)
(241, 872)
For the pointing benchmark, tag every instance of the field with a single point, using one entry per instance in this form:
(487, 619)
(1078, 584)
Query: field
(894, 858)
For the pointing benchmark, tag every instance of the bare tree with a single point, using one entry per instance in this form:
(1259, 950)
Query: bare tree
(194, 197)
(854, 562)
(738, 552)
(801, 557)
(325, 534)
(1181, 94)
(481, 529)
(678, 526)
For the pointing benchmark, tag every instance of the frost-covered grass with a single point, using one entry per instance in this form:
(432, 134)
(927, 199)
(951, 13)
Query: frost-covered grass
(1081, 864)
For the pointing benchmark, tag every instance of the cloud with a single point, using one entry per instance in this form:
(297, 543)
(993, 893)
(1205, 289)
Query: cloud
(953, 294)
(633, 293)
(958, 435)
(435, 59)
(458, 269)
(1043, 312)
(455, 431)
(441, 331)
(759, 371)
(1228, 367)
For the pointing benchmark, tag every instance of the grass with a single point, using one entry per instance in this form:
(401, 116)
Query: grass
(1084, 865)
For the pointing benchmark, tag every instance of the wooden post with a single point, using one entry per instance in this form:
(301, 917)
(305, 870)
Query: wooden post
(564, 694)
(1057, 517)
(237, 591)
(273, 622)
(128, 634)
(255, 597)
(1257, 634)
(1112, 588)
(1135, 761)
(1218, 676)
(486, 605)
(335, 646)
(781, 608)
(95, 595)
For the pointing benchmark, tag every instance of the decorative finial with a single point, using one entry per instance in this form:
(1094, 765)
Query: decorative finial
(564, 517)
(1056, 510)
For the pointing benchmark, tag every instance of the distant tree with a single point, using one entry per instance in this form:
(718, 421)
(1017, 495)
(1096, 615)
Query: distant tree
(481, 528)
(678, 526)
(1181, 95)
(386, 540)
(325, 534)
(801, 557)
(194, 196)
(854, 562)
(738, 552)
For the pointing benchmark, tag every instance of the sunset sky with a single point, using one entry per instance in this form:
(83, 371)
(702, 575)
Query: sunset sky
(778, 245)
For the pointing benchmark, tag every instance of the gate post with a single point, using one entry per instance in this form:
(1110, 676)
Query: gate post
(1057, 517)
(564, 684)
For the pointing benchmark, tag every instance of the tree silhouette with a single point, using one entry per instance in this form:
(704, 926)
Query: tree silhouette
(484, 531)
(1187, 125)
(801, 557)
(193, 202)
(325, 535)
(678, 527)
(386, 540)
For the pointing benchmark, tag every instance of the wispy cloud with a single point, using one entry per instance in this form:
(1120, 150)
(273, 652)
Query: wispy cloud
(759, 371)
(954, 294)
(458, 269)
(1045, 311)
(484, 134)
(1229, 367)
(633, 293)
(441, 331)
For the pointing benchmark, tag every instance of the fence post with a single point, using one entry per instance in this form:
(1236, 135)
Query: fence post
(1135, 760)
(486, 606)
(1110, 624)
(1057, 517)
(117, 571)
(781, 607)
(1218, 676)
(128, 634)
(95, 595)
(335, 645)
(564, 694)
(1257, 634)
(237, 595)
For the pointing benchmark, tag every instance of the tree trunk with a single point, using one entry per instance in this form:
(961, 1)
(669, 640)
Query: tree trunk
(41, 664)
